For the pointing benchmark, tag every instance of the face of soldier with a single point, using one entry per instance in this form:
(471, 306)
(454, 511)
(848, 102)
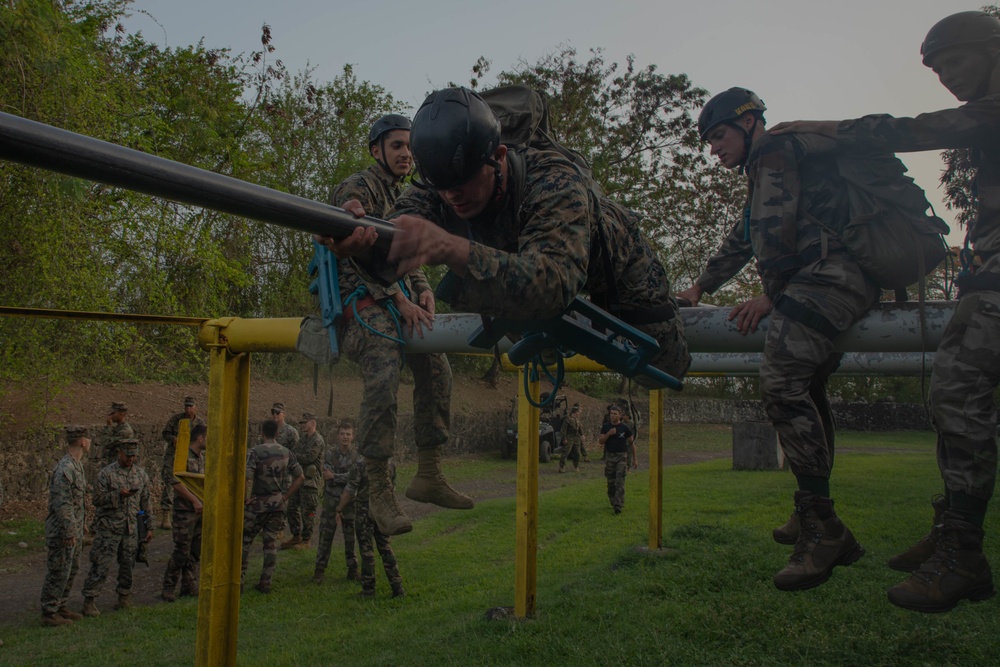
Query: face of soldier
(345, 437)
(190, 411)
(963, 70)
(198, 444)
(615, 416)
(472, 197)
(397, 155)
(118, 416)
(278, 416)
(309, 427)
(126, 460)
(727, 144)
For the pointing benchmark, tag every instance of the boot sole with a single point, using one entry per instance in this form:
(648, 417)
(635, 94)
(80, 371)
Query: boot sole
(909, 569)
(789, 541)
(848, 558)
(975, 595)
(402, 530)
(421, 498)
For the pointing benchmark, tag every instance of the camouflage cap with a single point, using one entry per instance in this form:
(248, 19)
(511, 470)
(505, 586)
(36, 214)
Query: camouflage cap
(75, 433)
(188, 401)
(278, 407)
(119, 407)
(129, 446)
(307, 417)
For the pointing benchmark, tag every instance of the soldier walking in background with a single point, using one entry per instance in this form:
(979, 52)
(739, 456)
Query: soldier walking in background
(368, 532)
(272, 476)
(616, 438)
(122, 492)
(167, 473)
(115, 430)
(302, 504)
(64, 529)
(337, 464)
(573, 441)
(187, 509)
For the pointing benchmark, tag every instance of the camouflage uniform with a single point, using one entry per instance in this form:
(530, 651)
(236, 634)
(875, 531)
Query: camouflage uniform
(340, 464)
(183, 561)
(367, 531)
(616, 462)
(573, 432)
(379, 357)
(816, 287)
(534, 256)
(302, 504)
(64, 522)
(271, 470)
(109, 437)
(967, 363)
(169, 436)
(288, 436)
(116, 522)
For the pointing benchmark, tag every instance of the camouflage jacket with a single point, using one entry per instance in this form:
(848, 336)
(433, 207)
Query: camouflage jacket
(169, 433)
(109, 437)
(975, 126)
(339, 463)
(271, 469)
(195, 463)
(114, 512)
(377, 191)
(793, 178)
(735, 251)
(309, 454)
(288, 436)
(66, 494)
(534, 252)
(573, 430)
(357, 482)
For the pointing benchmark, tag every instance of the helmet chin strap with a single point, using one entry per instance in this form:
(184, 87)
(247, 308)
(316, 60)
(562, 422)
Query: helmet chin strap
(984, 87)
(381, 163)
(497, 179)
(747, 141)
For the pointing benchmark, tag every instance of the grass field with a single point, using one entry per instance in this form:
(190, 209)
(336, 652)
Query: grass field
(706, 599)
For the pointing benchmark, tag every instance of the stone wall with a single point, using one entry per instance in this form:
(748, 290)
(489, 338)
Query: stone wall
(883, 416)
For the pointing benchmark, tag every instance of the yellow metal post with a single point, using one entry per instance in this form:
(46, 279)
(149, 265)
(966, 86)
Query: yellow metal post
(195, 482)
(222, 528)
(526, 542)
(655, 469)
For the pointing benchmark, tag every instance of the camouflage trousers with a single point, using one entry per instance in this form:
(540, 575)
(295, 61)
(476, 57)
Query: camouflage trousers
(166, 475)
(368, 532)
(301, 512)
(183, 563)
(965, 376)
(798, 359)
(270, 523)
(108, 547)
(328, 529)
(379, 359)
(571, 452)
(615, 470)
(63, 563)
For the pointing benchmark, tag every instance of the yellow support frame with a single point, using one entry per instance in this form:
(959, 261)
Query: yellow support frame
(195, 482)
(655, 469)
(526, 525)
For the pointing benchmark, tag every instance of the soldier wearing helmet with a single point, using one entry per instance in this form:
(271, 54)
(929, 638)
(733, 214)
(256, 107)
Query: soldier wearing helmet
(369, 336)
(813, 290)
(948, 564)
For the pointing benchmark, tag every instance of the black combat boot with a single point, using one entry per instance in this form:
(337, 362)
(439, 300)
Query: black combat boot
(824, 542)
(788, 533)
(956, 571)
(912, 558)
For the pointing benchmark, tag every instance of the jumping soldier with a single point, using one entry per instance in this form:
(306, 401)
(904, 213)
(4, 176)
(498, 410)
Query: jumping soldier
(948, 564)
(169, 435)
(302, 504)
(369, 337)
(337, 464)
(187, 509)
(817, 290)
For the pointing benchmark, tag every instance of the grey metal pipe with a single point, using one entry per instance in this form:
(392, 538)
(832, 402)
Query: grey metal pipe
(853, 363)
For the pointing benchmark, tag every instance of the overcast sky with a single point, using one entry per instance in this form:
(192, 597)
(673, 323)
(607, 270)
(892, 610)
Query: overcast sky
(806, 58)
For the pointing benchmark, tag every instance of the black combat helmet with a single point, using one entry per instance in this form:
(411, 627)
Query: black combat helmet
(961, 29)
(454, 134)
(727, 107)
(387, 123)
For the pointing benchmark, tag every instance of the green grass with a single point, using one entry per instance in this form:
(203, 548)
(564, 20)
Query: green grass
(13, 531)
(706, 599)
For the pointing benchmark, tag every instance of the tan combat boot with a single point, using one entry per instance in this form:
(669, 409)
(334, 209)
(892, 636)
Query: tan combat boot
(912, 558)
(956, 571)
(382, 505)
(166, 523)
(54, 620)
(788, 533)
(824, 542)
(123, 603)
(288, 544)
(430, 486)
(89, 608)
(71, 615)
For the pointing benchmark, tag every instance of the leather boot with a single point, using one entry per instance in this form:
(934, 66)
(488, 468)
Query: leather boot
(89, 608)
(166, 523)
(168, 595)
(823, 543)
(397, 591)
(352, 573)
(956, 571)
(382, 504)
(788, 533)
(430, 486)
(288, 544)
(71, 615)
(912, 558)
(366, 593)
(317, 577)
(54, 620)
(123, 603)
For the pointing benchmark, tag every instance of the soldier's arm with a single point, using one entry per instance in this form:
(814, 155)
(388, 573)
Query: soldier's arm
(354, 187)
(967, 126)
(104, 494)
(61, 504)
(311, 456)
(732, 255)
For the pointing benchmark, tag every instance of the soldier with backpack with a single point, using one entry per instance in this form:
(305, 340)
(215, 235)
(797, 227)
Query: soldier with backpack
(948, 564)
(813, 290)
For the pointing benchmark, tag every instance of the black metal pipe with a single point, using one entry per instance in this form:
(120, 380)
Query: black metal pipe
(40, 145)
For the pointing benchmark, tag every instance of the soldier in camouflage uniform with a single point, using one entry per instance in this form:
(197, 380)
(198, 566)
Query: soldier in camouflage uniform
(302, 504)
(186, 526)
(64, 528)
(368, 531)
(337, 464)
(273, 475)
(573, 438)
(115, 430)
(948, 564)
(369, 336)
(817, 290)
(122, 492)
(617, 438)
(288, 435)
(169, 435)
